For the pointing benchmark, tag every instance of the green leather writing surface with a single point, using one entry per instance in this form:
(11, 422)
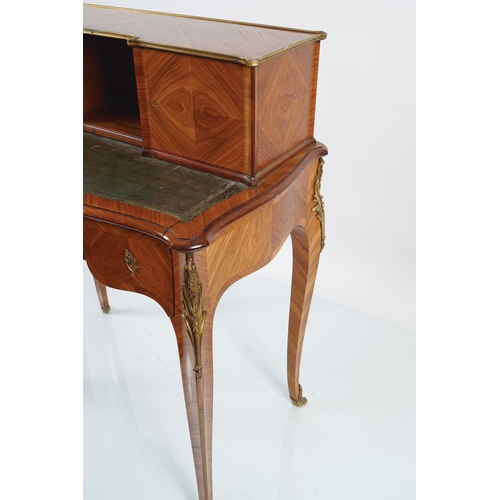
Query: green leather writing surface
(117, 171)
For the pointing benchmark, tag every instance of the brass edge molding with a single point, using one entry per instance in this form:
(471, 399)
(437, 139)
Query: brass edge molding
(252, 63)
(320, 35)
(319, 206)
(287, 48)
(136, 42)
(130, 262)
(133, 40)
(193, 313)
(109, 34)
(301, 400)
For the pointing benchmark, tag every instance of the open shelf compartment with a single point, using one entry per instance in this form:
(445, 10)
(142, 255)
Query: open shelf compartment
(110, 104)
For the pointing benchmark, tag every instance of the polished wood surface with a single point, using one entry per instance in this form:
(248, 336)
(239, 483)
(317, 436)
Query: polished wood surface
(236, 41)
(223, 118)
(197, 108)
(105, 247)
(285, 103)
(151, 227)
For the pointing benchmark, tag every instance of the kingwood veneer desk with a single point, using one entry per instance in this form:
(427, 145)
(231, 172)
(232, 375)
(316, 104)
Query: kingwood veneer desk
(199, 161)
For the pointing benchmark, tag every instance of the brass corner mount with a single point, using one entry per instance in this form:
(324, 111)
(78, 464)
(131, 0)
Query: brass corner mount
(319, 206)
(193, 313)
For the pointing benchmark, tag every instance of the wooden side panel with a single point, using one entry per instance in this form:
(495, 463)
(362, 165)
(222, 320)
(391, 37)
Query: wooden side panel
(264, 231)
(285, 86)
(142, 96)
(105, 246)
(197, 108)
(94, 79)
(314, 88)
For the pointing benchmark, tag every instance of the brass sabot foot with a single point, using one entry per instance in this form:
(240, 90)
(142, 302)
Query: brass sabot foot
(301, 401)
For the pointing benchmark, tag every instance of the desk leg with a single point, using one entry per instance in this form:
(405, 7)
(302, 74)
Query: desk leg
(102, 295)
(307, 243)
(193, 329)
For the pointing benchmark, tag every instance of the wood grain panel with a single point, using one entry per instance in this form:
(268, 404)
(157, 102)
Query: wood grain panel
(104, 248)
(284, 87)
(196, 108)
(169, 83)
(314, 87)
(142, 96)
(94, 81)
(218, 102)
(264, 230)
(122, 124)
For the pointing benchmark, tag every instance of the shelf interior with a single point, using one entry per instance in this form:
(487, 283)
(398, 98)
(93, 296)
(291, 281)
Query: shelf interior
(110, 103)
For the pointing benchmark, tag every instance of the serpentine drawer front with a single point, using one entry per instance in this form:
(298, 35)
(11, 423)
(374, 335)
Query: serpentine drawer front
(128, 260)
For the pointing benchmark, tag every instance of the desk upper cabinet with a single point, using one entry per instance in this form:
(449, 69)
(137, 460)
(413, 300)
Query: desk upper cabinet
(229, 98)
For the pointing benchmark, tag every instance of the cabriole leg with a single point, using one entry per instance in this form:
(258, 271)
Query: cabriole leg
(307, 244)
(193, 329)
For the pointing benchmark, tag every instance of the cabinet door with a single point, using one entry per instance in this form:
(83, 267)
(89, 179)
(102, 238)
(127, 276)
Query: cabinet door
(196, 108)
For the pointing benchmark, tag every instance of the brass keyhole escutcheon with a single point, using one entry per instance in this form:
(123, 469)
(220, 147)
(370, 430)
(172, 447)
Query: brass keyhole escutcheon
(130, 263)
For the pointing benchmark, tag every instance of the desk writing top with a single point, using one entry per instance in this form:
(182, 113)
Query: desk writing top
(121, 187)
(244, 43)
(117, 171)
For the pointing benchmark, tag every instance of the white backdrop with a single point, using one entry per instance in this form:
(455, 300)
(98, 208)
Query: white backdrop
(366, 117)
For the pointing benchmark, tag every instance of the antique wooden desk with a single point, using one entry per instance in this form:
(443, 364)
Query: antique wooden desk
(199, 161)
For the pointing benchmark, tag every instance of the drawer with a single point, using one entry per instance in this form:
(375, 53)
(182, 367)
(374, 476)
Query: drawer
(128, 260)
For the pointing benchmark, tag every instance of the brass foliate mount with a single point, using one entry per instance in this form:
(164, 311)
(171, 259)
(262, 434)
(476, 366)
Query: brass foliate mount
(130, 262)
(192, 310)
(301, 400)
(319, 206)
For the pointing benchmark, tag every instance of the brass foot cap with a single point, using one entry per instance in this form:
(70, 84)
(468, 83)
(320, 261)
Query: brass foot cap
(301, 401)
(105, 309)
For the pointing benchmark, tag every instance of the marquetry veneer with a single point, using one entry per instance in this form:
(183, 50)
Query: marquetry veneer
(199, 162)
